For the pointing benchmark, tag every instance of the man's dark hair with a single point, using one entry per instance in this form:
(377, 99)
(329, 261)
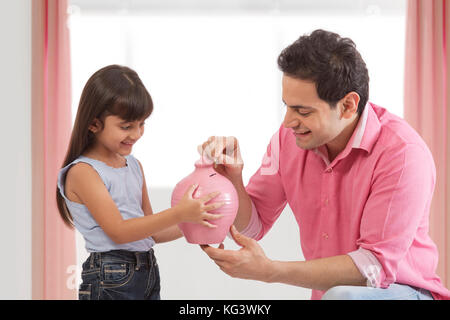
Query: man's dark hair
(332, 62)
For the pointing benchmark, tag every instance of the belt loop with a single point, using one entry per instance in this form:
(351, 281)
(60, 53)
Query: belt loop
(91, 260)
(152, 257)
(138, 262)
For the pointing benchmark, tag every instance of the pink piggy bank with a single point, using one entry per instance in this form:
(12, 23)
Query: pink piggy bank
(209, 181)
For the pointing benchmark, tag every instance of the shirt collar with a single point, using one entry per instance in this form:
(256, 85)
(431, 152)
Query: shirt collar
(360, 128)
(364, 136)
(366, 132)
(368, 129)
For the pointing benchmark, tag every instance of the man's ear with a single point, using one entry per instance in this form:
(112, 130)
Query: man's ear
(349, 105)
(96, 126)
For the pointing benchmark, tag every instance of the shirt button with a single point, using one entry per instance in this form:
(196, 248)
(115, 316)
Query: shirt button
(328, 170)
(325, 235)
(325, 202)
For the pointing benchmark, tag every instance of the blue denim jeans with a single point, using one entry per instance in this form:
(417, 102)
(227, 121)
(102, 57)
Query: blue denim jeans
(120, 275)
(394, 292)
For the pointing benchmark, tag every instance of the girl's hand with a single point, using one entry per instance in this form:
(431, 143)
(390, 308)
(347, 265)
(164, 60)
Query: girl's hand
(195, 210)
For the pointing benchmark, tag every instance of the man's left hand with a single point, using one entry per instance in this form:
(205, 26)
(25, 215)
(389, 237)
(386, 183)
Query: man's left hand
(249, 262)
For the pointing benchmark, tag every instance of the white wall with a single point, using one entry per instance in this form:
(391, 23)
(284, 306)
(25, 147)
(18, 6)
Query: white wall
(15, 160)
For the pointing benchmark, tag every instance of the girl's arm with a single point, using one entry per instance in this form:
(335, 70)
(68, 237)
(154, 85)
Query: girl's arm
(89, 188)
(169, 234)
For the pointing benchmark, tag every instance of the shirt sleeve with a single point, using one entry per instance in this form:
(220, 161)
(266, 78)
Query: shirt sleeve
(266, 191)
(254, 226)
(369, 266)
(402, 188)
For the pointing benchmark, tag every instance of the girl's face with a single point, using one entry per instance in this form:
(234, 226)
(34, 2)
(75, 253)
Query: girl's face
(117, 136)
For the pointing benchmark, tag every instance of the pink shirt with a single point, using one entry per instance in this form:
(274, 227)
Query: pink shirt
(371, 202)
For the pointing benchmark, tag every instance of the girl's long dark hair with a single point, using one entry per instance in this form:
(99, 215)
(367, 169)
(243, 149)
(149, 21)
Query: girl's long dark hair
(112, 90)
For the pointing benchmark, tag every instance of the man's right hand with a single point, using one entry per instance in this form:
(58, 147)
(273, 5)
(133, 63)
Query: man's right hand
(225, 153)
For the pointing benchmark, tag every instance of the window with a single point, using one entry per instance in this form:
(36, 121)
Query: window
(210, 67)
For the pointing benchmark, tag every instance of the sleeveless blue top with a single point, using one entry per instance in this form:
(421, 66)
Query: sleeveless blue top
(125, 187)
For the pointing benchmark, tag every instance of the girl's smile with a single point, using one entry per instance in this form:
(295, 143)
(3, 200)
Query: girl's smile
(127, 144)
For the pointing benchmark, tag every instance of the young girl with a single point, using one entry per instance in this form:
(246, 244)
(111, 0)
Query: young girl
(102, 191)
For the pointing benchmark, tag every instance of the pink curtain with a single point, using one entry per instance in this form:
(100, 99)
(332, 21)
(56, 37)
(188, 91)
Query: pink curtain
(54, 257)
(427, 106)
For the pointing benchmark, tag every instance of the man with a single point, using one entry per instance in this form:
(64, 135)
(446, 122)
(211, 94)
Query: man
(358, 179)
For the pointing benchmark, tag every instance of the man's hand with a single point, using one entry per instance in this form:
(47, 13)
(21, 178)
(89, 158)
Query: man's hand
(226, 154)
(249, 262)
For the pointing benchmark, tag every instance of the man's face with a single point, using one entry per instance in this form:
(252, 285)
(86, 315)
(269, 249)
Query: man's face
(312, 120)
